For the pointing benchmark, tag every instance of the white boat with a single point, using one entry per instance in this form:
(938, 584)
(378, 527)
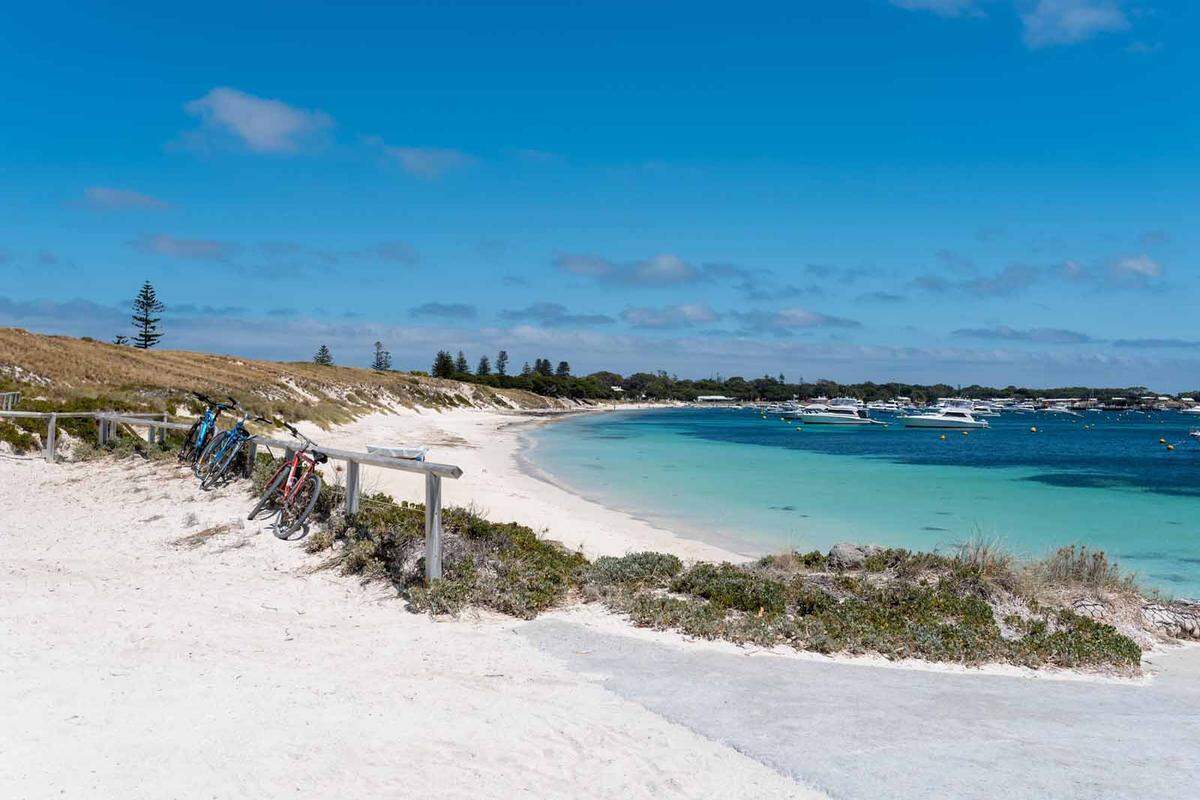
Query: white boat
(821, 414)
(1059, 409)
(954, 418)
(1190, 410)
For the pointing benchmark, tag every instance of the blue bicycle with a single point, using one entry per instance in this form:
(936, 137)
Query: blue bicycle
(225, 453)
(201, 432)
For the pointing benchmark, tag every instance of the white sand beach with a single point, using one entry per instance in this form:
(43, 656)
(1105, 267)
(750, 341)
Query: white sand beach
(136, 666)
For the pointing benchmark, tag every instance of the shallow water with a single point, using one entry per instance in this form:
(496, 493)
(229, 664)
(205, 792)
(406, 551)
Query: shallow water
(760, 485)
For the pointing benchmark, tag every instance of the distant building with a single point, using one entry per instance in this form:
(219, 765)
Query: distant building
(616, 389)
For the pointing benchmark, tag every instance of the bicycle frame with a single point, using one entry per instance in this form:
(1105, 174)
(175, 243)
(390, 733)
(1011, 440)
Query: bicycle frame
(298, 467)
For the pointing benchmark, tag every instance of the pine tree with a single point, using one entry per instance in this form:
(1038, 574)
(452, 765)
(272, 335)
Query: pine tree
(484, 368)
(145, 306)
(443, 365)
(120, 338)
(525, 370)
(323, 356)
(542, 367)
(502, 362)
(564, 370)
(383, 359)
(460, 364)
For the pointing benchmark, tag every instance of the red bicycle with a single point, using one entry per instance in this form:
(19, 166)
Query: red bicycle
(293, 490)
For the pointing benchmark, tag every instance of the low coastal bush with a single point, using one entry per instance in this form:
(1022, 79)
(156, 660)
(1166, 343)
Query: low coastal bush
(500, 566)
(972, 607)
(21, 441)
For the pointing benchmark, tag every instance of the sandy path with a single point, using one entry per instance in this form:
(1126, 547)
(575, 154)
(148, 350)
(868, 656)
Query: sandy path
(861, 732)
(485, 444)
(133, 667)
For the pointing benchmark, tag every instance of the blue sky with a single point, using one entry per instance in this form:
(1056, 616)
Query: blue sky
(999, 191)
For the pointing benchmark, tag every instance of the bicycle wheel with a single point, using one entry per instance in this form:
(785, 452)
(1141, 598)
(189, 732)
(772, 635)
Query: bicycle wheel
(219, 468)
(295, 511)
(211, 452)
(270, 495)
(187, 451)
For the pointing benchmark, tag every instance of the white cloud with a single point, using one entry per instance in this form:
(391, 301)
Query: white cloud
(189, 249)
(1057, 22)
(1142, 266)
(261, 124)
(106, 198)
(678, 316)
(944, 8)
(425, 162)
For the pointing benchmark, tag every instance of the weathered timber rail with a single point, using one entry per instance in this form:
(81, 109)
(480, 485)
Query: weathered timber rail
(157, 425)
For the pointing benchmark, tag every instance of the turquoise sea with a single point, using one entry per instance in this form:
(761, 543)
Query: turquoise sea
(759, 485)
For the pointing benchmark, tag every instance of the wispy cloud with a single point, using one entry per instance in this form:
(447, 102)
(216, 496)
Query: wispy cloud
(553, 315)
(661, 270)
(943, 8)
(1044, 23)
(428, 163)
(461, 311)
(1158, 344)
(1140, 268)
(1035, 335)
(1060, 22)
(677, 316)
(106, 198)
(787, 321)
(260, 124)
(187, 249)
(882, 297)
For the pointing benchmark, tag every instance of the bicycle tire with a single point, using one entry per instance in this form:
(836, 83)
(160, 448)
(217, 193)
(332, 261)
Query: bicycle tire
(189, 443)
(295, 513)
(218, 471)
(269, 493)
(208, 453)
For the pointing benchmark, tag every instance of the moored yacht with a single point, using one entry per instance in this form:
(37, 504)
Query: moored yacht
(954, 418)
(838, 412)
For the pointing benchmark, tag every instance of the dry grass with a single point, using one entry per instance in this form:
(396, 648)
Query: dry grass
(1078, 568)
(61, 368)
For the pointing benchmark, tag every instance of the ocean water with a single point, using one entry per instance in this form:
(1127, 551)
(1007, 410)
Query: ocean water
(760, 485)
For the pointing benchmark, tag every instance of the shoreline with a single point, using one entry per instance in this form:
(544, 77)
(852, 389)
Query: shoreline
(742, 550)
(488, 444)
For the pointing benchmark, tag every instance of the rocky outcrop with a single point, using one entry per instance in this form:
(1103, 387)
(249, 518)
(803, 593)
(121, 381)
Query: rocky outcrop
(1181, 620)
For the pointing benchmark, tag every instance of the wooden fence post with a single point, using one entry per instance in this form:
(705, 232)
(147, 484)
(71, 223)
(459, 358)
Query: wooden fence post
(353, 486)
(51, 435)
(433, 527)
(251, 457)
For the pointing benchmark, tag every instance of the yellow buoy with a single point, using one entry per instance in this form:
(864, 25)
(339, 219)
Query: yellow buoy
(1162, 440)
(1170, 447)
(942, 437)
(1033, 429)
(966, 433)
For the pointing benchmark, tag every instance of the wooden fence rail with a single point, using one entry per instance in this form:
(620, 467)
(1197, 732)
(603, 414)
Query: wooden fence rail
(157, 424)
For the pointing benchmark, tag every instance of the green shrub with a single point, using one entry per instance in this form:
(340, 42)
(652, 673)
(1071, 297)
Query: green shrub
(727, 586)
(644, 567)
(21, 441)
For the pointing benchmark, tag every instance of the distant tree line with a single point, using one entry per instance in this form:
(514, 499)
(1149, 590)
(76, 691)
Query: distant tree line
(543, 377)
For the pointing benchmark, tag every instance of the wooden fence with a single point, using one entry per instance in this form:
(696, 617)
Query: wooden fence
(158, 424)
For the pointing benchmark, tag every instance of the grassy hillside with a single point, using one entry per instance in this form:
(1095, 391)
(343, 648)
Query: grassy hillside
(63, 370)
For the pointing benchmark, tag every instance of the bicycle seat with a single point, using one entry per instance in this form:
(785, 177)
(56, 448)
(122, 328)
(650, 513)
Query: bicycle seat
(320, 458)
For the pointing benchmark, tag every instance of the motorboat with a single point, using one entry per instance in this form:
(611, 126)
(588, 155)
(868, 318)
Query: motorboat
(1060, 409)
(953, 418)
(834, 414)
